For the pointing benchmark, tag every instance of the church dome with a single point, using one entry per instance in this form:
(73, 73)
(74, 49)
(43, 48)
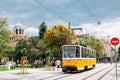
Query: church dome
(19, 25)
(31, 31)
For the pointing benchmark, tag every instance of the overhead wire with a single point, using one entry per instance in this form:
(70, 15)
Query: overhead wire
(49, 10)
(82, 2)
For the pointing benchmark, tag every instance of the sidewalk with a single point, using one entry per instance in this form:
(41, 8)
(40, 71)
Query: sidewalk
(112, 74)
(15, 74)
(37, 73)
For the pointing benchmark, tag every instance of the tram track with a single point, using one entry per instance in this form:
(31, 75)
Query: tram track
(105, 74)
(64, 75)
(95, 75)
(55, 77)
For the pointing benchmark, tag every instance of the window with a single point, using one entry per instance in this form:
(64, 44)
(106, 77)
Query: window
(83, 52)
(19, 31)
(69, 51)
(77, 51)
(87, 53)
(16, 31)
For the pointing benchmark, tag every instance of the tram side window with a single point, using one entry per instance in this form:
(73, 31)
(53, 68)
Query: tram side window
(77, 51)
(90, 53)
(83, 52)
(94, 54)
(87, 53)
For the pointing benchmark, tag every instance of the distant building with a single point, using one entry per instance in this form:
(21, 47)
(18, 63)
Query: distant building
(108, 51)
(82, 35)
(21, 31)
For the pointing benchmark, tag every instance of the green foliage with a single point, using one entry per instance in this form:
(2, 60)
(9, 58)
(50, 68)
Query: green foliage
(96, 44)
(57, 36)
(42, 29)
(33, 55)
(55, 52)
(48, 52)
(4, 36)
(81, 41)
(3, 68)
(20, 48)
(24, 52)
(33, 48)
(39, 45)
(9, 51)
(119, 51)
(3, 23)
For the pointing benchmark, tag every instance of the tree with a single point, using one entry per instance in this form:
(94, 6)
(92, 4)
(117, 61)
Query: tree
(3, 23)
(58, 35)
(4, 35)
(40, 46)
(20, 47)
(4, 32)
(42, 29)
(95, 44)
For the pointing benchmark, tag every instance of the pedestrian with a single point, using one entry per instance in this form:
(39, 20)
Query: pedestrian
(36, 63)
(58, 63)
(53, 64)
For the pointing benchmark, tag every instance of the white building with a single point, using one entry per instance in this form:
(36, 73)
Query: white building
(108, 51)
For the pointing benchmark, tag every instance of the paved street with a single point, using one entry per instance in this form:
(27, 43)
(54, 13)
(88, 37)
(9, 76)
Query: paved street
(112, 74)
(42, 74)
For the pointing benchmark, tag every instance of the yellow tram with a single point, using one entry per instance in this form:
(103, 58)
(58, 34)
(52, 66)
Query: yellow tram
(76, 57)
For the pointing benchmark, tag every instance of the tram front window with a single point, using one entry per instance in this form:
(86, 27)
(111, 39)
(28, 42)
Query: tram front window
(69, 51)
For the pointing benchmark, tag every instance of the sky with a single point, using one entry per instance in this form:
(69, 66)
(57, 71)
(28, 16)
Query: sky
(80, 13)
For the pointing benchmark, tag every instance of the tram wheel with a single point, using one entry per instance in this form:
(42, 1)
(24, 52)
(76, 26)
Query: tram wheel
(86, 68)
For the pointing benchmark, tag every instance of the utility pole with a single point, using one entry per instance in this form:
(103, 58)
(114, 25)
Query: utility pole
(69, 25)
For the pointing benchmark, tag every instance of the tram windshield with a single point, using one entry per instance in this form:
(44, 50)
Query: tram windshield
(69, 51)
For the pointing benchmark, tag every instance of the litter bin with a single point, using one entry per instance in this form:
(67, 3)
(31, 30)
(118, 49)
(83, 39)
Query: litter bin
(8, 65)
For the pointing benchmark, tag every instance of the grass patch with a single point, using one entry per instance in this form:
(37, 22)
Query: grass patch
(3, 68)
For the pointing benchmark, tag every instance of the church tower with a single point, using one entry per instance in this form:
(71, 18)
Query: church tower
(19, 31)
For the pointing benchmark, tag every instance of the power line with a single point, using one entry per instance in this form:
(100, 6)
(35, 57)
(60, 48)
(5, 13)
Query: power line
(82, 2)
(49, 10)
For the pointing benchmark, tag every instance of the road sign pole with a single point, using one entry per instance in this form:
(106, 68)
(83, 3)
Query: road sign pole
(115, 41)
(116, 63)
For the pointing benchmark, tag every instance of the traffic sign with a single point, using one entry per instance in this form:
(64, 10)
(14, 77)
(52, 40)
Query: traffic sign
(114, 41)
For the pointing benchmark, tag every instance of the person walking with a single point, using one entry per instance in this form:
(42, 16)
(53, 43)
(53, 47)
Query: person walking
(58, 63)
(53, 64)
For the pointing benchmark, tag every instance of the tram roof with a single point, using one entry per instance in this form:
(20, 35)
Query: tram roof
(78, 45)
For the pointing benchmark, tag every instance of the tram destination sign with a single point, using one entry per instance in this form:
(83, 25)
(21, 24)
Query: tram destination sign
(114, 41)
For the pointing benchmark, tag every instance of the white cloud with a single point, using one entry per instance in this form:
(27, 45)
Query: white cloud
(107, 28)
